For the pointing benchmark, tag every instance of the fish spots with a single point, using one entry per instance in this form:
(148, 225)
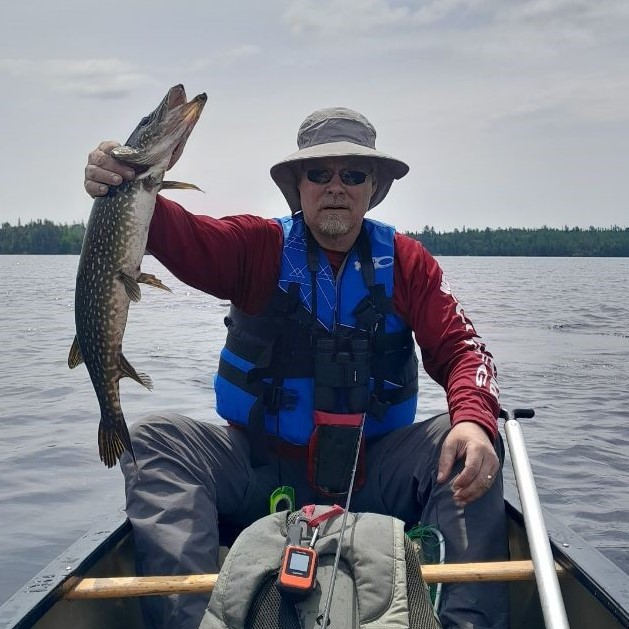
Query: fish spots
(114, 244)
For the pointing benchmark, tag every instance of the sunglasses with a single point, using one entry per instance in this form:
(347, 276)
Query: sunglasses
(348, 177)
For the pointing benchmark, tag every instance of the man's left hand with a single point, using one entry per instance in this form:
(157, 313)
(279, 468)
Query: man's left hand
(469, 441)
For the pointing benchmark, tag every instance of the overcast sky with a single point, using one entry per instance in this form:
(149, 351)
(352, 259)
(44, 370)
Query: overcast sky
(509, 112)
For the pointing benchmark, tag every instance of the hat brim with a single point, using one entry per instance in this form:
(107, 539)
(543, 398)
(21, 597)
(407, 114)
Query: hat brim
(285, 175)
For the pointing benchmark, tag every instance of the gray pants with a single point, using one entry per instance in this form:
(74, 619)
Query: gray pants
(191, 474)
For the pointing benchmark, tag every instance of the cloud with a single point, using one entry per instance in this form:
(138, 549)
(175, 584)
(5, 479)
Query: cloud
(329, 18)
(92, 78)
(16, 68)
(565, 11)
(520, 60)
(97, 78)
(228, 57)
(567, 20)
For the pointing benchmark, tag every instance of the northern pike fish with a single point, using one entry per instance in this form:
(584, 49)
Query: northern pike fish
(109, 274)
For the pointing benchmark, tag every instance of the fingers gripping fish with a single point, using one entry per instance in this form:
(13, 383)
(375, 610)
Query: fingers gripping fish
(109, 274)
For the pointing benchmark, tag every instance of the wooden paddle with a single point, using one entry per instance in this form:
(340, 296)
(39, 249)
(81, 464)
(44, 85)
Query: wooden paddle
(116, 587)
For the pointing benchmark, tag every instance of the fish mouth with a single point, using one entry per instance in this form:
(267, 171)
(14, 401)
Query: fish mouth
(180, 115)
(176, 96)
(161, 136)
(191, 111)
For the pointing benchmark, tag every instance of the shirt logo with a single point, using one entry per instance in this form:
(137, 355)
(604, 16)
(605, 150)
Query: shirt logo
(381, 262)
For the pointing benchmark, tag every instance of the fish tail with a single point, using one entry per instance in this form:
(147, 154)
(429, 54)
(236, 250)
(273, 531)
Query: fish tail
(113, 440)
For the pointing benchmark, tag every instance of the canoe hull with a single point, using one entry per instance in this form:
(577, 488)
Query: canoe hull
(596, 591)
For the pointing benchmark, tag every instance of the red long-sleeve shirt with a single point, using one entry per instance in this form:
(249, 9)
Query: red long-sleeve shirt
(237, 258)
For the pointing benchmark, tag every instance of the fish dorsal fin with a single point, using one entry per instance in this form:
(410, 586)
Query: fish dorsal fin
(131, 286)
(130, 372)
(75, 357)
(178, 185)
(151, 280)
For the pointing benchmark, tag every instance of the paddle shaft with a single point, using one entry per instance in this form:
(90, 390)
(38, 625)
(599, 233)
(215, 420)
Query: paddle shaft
(118, 587)
(553, 607)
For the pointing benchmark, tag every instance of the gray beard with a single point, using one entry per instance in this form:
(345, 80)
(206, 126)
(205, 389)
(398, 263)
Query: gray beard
(334, 226)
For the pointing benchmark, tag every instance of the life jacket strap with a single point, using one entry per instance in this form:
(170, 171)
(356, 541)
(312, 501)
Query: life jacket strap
(256, 434)
(381, 400)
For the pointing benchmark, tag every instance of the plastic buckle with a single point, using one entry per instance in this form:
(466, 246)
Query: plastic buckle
(282, 499)
(378, 409)
(276, 398)
(289, 399)
(326, 515)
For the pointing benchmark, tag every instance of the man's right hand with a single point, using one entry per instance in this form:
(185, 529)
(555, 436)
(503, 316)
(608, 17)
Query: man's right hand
(103, 170)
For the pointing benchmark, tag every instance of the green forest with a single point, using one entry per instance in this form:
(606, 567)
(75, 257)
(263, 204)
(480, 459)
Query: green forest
(46, 237)
(513, 241)
(41, 237)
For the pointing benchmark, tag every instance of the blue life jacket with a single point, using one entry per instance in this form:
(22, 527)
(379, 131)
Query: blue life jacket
(278, 366)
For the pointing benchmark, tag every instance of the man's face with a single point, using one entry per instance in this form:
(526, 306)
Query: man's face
(335, 194)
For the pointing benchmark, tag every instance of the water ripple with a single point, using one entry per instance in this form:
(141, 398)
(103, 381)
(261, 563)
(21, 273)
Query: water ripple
(556, 327)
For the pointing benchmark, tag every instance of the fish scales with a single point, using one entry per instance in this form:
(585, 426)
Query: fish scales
(109, 271)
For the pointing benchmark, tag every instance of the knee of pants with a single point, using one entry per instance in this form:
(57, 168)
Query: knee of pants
(155, 437)
(442, 423)
(153, 429)
(439, 426)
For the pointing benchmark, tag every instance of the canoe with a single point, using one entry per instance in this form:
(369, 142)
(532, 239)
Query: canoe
(595, 590)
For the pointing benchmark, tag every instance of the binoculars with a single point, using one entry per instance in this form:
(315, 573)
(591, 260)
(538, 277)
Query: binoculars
(341, 375)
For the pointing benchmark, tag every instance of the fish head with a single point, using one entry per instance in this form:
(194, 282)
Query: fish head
(163, 133)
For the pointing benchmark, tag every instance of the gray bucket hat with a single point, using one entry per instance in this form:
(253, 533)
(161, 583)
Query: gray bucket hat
(336, 132)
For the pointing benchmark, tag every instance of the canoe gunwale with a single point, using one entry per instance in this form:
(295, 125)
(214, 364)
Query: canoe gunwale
(603, 578)
(35, 598)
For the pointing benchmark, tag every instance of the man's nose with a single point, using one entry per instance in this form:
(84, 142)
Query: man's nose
(336, 180)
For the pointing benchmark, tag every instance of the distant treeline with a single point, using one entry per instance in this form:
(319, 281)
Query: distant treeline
(46, 237)
(39, 237)
(513, 241)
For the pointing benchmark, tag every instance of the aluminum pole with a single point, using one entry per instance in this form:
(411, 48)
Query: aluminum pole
(545, 574)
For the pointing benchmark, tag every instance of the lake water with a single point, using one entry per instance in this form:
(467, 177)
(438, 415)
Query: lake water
(558, 328)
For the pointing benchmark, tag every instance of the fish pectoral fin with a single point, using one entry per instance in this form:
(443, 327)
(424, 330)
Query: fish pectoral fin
(131, 286)
(130, 372)
(75, 357)
(151, 280)
(178, 185)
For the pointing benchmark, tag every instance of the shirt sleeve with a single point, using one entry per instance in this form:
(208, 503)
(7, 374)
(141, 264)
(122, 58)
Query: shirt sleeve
(452, 352)
(236, 258)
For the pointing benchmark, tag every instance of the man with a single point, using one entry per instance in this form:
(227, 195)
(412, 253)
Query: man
(324, 303)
